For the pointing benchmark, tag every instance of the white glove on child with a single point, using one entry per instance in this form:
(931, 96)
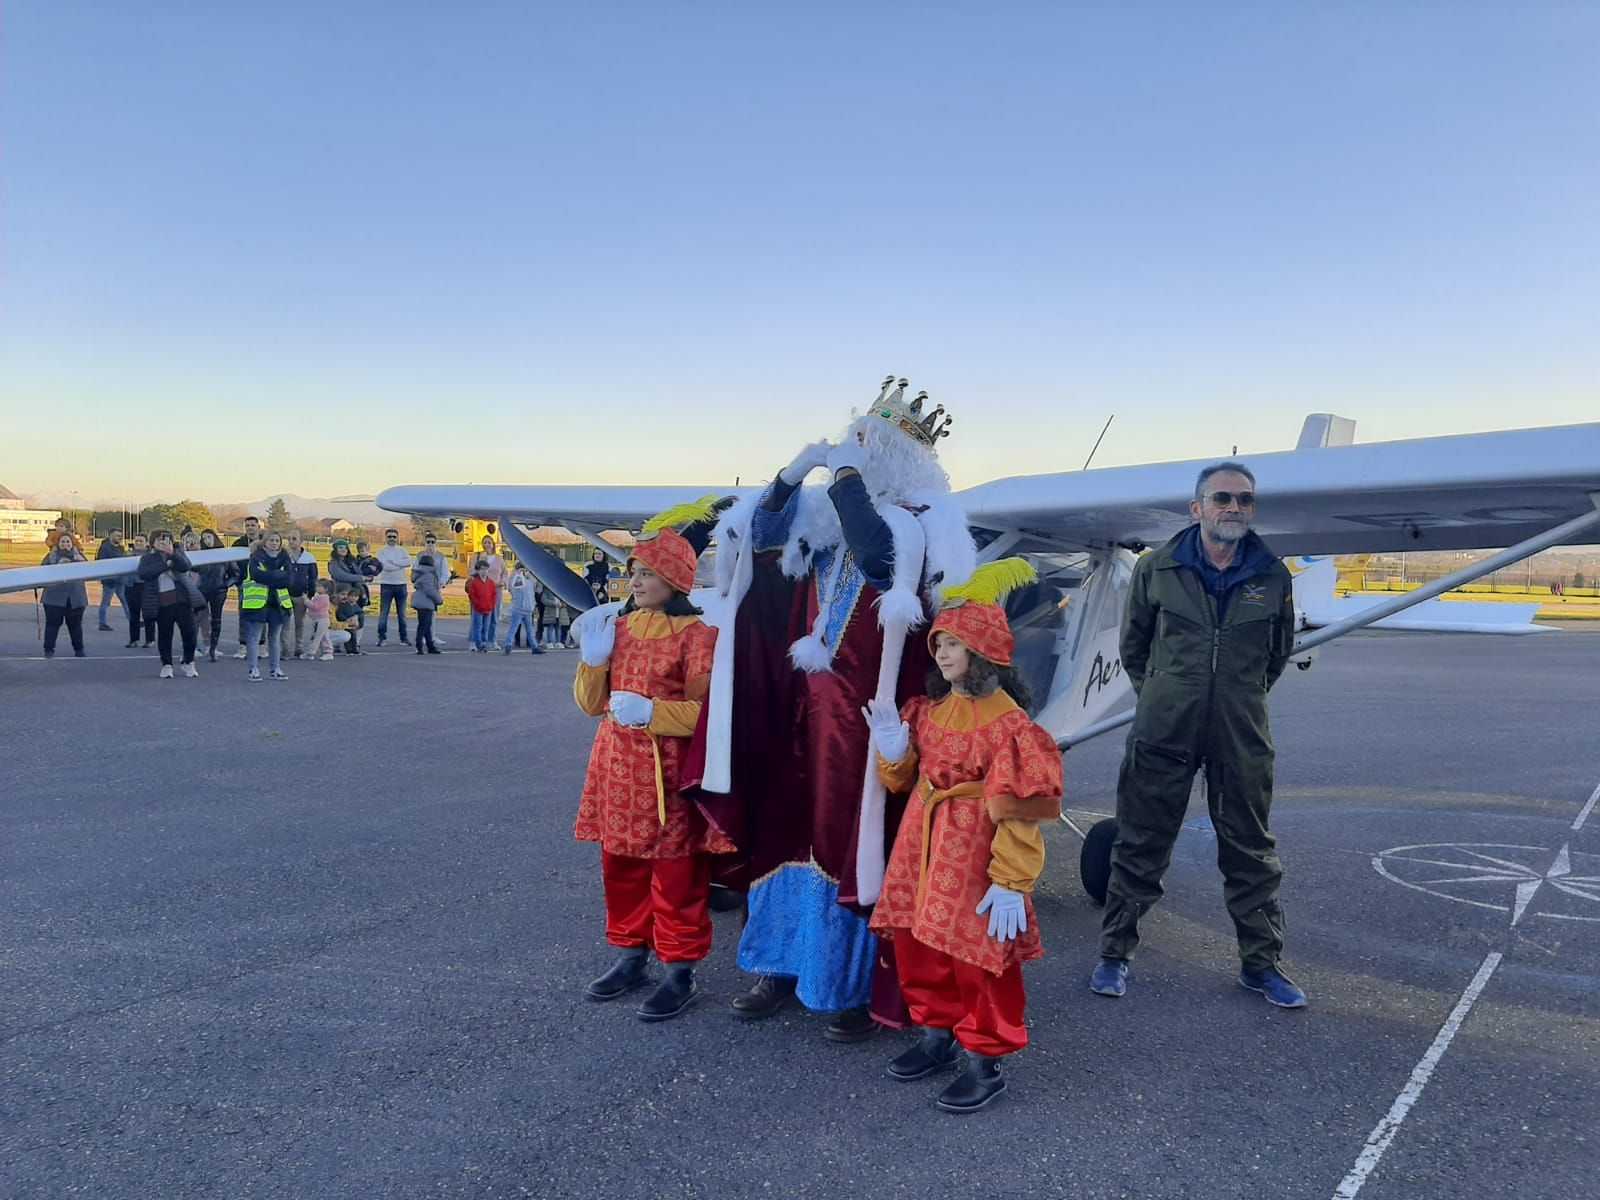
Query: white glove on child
(1007, 915)
(630, 708)
(808, 460)
(597, 646)
(890, 734)
(849, 456)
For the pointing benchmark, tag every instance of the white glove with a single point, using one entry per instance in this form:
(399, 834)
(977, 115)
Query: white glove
(1007, 914)
(597, 646)
(808, 460)
(849, 456)
(890, 734)
(630, 708)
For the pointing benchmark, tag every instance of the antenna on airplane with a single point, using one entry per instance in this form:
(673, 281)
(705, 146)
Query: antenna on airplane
(1098, 440)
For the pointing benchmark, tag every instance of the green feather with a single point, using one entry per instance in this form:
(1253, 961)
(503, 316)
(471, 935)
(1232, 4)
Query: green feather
(683, 514)
(993, 582)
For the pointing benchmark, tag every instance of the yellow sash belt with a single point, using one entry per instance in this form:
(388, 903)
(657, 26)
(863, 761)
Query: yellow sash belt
(931, 800)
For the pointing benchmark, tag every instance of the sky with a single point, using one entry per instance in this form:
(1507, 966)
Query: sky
(328, 248)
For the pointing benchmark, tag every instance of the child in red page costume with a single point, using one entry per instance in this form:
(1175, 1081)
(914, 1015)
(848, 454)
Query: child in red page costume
(645, 672)
(956, 894)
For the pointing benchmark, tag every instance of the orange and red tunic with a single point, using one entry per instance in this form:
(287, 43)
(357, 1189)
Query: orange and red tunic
(627, 806)
(985, 777)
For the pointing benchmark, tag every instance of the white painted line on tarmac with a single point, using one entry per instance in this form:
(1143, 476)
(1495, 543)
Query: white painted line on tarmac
(1384, 1132)
(1587, 809)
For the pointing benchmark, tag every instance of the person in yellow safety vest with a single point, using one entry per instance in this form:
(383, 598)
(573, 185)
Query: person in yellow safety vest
(264, 601)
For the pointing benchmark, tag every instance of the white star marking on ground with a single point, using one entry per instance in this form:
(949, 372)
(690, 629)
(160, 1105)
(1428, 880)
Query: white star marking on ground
(1465, 871)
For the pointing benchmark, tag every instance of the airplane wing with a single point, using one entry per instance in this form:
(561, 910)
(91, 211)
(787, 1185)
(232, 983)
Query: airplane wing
(1465, 492)
(21, 579)
(589, 507)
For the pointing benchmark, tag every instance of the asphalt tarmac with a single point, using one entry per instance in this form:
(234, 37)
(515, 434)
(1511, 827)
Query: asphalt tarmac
(328, 938)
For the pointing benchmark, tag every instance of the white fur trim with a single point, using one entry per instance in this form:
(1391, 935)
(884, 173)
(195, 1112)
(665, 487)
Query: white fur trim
(951, 555)
(811, 654)
(902, 608)
(735, 568)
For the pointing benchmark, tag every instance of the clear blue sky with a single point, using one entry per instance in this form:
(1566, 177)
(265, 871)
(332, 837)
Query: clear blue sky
(328, 247)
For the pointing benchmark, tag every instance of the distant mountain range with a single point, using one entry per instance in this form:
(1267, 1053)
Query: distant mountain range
(360, 512)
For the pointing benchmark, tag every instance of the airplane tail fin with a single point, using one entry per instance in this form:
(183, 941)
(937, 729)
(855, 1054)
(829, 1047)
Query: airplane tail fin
(1325, 429)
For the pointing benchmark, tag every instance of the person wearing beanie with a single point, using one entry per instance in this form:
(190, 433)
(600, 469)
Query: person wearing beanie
(956, 893)
(427, 595)
(645, 671)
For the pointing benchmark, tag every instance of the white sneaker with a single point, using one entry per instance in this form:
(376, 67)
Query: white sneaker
(241, 653)
(166, 672)
(254, 676)
(189, 672)
(279, 675)
(325, 658)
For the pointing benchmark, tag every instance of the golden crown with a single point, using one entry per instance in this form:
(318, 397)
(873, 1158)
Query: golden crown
(909, 419)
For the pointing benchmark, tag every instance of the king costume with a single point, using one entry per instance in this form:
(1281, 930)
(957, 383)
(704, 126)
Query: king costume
(825, 587)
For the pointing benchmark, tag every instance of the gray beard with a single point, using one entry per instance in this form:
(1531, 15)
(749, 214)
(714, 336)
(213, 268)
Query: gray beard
(1229, 534)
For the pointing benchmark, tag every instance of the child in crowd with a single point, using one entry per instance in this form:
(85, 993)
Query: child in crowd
(317, 608)
(645, 672)
(350, 617)
(522, 585)
(956, 892)
(427, 595)
(484, 594)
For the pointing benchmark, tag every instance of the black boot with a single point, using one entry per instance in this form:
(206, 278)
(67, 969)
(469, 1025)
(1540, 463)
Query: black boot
(770, 993)
(936, 1050)
(851, 1025)
(979, 1084)
(724, 899)
(676, 993)
(630, 972)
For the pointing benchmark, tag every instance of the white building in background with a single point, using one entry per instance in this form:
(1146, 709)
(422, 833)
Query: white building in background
(19, 523)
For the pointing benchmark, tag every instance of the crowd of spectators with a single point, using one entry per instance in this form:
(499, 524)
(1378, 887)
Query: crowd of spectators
(290, 607)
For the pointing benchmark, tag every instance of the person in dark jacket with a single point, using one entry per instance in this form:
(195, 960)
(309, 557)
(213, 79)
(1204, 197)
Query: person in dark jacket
(426, 598)
(111, 589)
(169, 598)
(597, 574)
(202, 610)
(215, 580)
(266, 603)
(1208, 630)
(251, 538)
(64, 603)
(134, 599)
(344, 568)
(302, 586)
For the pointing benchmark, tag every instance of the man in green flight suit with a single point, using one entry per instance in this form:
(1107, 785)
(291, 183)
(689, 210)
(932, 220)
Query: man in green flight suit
(1208, 630)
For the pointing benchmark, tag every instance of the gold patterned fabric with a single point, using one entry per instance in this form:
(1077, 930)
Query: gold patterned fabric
(973, 761)
(626, 806)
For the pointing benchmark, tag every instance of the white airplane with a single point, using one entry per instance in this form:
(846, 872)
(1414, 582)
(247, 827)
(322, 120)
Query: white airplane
(1527, 489)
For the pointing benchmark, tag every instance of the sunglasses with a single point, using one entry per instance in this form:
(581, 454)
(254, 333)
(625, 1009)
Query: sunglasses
(1223, 499)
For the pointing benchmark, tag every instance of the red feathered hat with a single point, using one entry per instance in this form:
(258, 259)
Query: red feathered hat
(669, 554)
(666, 551)
(981, 628)
(972, 613)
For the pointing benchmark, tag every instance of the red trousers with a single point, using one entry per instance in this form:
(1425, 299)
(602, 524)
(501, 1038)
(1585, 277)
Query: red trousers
(659, 902)
(983, 1010)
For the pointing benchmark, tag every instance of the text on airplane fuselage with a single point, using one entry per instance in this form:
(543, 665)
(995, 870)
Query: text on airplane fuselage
(1101, 672)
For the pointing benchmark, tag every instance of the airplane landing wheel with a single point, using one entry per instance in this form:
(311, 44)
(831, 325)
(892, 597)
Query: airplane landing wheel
(1094, 860)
